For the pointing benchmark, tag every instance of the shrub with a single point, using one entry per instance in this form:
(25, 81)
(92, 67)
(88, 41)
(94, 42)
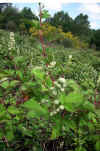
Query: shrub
(67, 43)
(11, 26)
(22, 28)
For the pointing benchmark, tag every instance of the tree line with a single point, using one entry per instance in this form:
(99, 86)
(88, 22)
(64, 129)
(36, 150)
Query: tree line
(13, 19)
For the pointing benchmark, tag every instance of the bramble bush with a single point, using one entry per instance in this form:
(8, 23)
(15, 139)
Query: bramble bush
(43, 99)
(36, 108)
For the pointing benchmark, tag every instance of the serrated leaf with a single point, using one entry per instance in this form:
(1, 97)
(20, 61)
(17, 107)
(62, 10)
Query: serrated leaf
(10, 135)
(24, 130)
(45, 14)
(97, 146)
(38, 74)
(80, 149)
(55, 133)
(56, 129)
(36, 24)
(20, 74)
(72, 101)
(19, 59)
(48, 82)
(88, 106)
(91, 126)
(14, 83)
(13, 110)
(34, 108)
(5, 84)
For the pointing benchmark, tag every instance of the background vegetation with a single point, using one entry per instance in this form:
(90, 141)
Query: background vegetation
(49, 91)
(14, 20)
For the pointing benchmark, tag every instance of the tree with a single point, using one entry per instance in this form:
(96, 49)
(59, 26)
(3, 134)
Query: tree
(11, 14)
(81, 26)
(96, 39)
(27, 14)
(26, 17)
(61, 19)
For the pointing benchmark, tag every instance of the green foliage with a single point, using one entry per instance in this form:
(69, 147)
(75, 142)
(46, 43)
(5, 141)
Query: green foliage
(95, 39)
(43, 99)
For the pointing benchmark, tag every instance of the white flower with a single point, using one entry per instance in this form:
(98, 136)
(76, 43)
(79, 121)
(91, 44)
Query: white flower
(63, 128)
(51, 88)
(11, 43)
(53, 63)
(58, 110)
(56, 102)
(51, 114)
(54, 112)
(38, 67)
(44, 101)
(4, 79)
(62, 80)
(61, 107)
(62, 89)
(54, 92)
(70, 56)
(47, 73)
(64, 85)
(57, 84)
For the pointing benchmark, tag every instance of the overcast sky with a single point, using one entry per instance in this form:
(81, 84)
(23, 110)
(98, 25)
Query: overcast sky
(73, 7)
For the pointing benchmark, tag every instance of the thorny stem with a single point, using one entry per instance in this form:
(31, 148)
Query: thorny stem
(6, 141)
(40, 31)
(41, 38)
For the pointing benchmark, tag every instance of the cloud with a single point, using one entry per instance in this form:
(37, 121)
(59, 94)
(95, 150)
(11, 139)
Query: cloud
(52, 1)
(89, 7)
(52, 4)
(93, 11)
(95, 25)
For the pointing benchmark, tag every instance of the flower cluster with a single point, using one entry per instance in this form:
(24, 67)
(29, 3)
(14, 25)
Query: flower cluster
(60, 83)
(70, 56)
(98, 81)
(12, 41)
(52, 64)
(60, 108)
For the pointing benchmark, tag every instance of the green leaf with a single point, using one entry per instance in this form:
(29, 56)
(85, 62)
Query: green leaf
(13, 110)
(70, 124)
(88, 106)
(36, 24)
(73, 85)
(72, 101)
(10, 135)
(55, 133)
(2, 75)
(92, 116)
(14, 83)
(45, 14)
(35, 109)
(97, 146)
(19, 59)
(83, 122)
(10, 72)
(56, 130)
(24, 130)
(38, 74)
(48, 82)
(80, 148)
(5, 84)
(20, 74)
(91, 126)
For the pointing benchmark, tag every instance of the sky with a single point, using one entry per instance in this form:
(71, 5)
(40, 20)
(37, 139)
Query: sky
(72, 7)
